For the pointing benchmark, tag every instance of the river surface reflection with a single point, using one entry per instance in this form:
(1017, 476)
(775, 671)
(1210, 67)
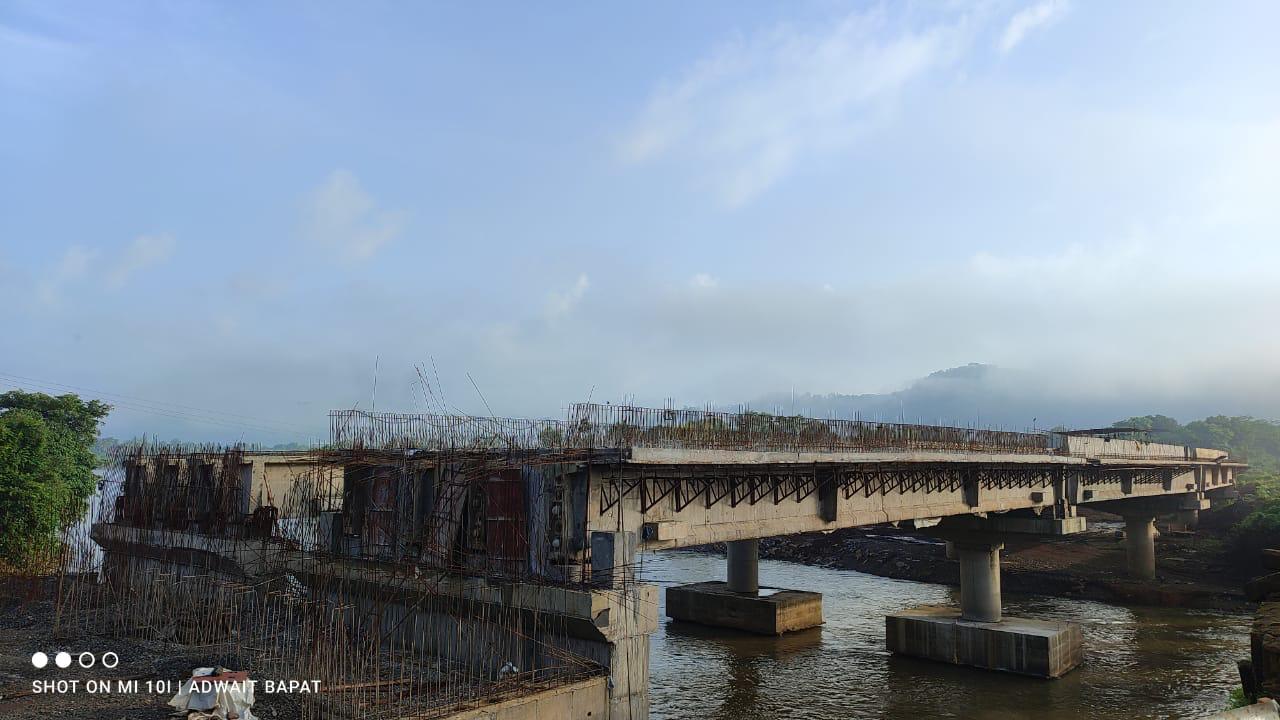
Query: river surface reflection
(1139, 662)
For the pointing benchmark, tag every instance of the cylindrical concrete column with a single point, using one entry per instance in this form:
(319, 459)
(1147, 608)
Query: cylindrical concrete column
(1140, 546)
(980, 581)
(744, 566)
(951, 550)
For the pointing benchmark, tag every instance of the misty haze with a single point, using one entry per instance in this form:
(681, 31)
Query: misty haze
(823, 359)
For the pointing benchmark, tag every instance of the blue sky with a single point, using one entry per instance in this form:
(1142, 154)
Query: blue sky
(242, 208)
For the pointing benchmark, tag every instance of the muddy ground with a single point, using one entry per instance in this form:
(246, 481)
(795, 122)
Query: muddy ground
(26, 627)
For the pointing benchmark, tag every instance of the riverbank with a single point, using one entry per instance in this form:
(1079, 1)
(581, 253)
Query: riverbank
(1193, 568)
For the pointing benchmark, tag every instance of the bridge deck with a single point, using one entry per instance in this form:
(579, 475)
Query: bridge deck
(677, 497)
(711, 457)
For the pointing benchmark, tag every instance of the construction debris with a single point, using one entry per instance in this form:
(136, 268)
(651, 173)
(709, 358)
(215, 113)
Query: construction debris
(215, 694)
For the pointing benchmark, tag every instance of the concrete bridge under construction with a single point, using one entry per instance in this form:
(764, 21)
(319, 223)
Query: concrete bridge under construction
(529, 533)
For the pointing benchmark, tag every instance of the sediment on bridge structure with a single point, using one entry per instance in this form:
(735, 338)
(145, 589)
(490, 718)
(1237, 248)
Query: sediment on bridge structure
(738, 603)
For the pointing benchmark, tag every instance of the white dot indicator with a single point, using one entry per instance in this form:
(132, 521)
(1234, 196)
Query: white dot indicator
(63, 659)
(39, 659)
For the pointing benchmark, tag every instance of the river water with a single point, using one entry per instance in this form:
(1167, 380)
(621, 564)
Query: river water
(1138, 662)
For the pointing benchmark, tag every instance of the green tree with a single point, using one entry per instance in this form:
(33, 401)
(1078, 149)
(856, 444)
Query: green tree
(46, 468)
(1258, 530)
(1255, 440)
(30, 493)
(1258, 441)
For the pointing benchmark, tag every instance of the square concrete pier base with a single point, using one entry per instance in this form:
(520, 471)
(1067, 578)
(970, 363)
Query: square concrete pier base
(770, 613)
(1029, 647)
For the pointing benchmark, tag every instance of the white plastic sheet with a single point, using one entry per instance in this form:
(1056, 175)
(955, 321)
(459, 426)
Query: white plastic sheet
(202, 698)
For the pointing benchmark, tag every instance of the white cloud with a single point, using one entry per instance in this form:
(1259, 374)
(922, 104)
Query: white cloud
(748, 112)
(561, 303)
(79, 264)
(75, 261)
(1240, 190)
(341, 215)
(703, 280)
(145, 251)
(72, 266)
(1041, 15)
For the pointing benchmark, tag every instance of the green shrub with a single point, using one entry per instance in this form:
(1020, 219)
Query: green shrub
(1259, 529)
(1237, 699)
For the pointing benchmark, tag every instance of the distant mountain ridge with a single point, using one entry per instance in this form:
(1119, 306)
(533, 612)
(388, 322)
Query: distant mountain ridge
(972, 394)
(982, 395)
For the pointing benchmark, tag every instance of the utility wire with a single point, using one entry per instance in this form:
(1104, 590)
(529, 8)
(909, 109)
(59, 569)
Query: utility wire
(175, 407)
(138, 405)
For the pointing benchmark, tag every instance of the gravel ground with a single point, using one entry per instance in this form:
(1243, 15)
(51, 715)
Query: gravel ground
(26, 628)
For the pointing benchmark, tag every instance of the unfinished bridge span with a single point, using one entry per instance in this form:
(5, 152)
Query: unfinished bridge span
(464, 565)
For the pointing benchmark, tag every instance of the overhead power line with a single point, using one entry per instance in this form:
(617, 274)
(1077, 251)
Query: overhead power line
(164, 409)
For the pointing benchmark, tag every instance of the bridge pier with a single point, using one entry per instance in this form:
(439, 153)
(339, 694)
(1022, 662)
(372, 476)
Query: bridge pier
(977, 633)
(738, 602)
(1140, 533)
(1140, 546)
(980, 581)
(743, 560)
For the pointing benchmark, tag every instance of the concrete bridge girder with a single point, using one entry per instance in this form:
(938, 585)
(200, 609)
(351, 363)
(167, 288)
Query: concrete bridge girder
(786, 504)
(678, 506)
